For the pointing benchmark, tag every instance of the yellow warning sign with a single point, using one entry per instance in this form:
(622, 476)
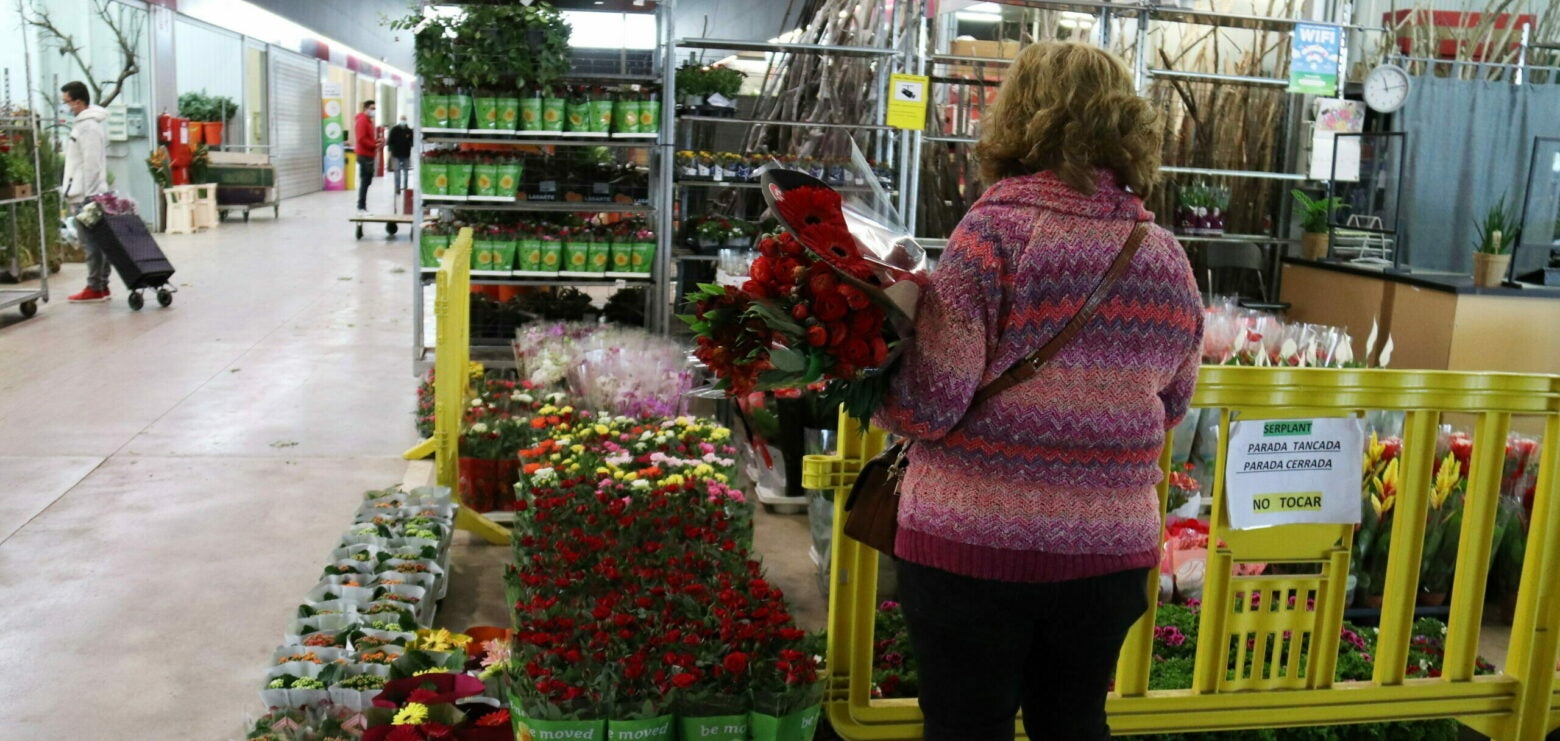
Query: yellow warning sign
(907, 101)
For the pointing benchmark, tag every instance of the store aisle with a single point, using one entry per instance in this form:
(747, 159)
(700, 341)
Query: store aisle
(172, 479)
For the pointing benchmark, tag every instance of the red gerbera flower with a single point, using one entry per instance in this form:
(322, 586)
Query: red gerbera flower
(810, 205)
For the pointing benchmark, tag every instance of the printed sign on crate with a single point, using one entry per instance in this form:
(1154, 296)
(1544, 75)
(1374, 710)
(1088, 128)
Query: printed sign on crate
(1294, 471)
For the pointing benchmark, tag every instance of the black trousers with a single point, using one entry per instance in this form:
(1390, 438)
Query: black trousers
(365, 178)
(986, 648)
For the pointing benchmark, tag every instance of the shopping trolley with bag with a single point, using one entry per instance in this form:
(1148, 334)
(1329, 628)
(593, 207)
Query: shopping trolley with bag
(129, 247)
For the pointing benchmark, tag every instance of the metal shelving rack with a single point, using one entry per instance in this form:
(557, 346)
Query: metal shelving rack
(657, 316)
(1146, 13)
(892, 145)
(26, 299)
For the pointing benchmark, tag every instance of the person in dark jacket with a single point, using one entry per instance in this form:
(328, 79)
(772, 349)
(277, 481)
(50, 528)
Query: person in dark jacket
(399, 142)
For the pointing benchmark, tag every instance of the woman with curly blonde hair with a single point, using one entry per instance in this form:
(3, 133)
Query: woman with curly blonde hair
(1029, 521)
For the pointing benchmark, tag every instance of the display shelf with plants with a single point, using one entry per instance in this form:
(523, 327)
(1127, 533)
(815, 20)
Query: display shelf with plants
(25, 243)
(515, 129)
(596, 249)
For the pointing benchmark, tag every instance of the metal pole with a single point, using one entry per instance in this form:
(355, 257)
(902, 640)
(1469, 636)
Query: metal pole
(1527, 29)
(665, 198)
(37, 146)
(417, 214)
(1140, 61)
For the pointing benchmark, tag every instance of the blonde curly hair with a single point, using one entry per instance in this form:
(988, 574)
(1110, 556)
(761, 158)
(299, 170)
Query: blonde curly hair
(1070, 108)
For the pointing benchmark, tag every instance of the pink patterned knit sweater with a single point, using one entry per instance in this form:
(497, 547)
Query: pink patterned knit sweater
(1052, 479)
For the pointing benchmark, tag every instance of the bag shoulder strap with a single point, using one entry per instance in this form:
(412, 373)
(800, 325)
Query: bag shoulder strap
(1027, 368)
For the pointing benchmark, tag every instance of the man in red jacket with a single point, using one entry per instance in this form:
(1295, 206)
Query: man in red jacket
(365, 144)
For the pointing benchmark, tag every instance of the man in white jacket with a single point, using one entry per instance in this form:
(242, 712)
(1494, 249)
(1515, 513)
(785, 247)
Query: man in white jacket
(86, 174)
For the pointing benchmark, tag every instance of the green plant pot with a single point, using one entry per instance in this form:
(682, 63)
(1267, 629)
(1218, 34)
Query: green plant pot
(529, 729)
(623, 257)
(432, 247)
(508, 179)
(650, 729)
(625, 116)
(578, 115)
(434, 111)
(482, 254)
(508, 114)
(435, 178)
(576, 257)
(530, 114)
(600, 257)
(530, 255)
(459, 107)
(601, 116)
(484, 180)
(798, 726)
(552, 255)
(713, 728)
(504, 255)
(460, 179)
(553, 114)
(643, 258)
(649, 116)
(487, 113)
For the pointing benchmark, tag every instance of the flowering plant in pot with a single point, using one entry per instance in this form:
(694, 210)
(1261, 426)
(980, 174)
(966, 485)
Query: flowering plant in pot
(692, 83)
(1315, 216)
(1498, 232)
(488, 467)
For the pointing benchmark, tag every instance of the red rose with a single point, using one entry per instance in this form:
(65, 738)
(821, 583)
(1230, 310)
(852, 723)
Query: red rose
(799, 312)
(735, 662)
(856, 352)
(854, 297)
(817, 336)
(879, 351)
(683, 680)
(760, 270)
(822, 280)
(829, 307)
(866, 323)
(769, 247)
(838, 334)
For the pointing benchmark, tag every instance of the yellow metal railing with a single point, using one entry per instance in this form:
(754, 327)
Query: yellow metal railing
(1520, 703)
(451, 377)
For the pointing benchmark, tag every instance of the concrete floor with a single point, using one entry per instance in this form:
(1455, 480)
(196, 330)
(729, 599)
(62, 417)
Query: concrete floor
(171, 480)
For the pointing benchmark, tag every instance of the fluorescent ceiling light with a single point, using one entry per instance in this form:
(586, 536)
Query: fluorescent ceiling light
(980, 13)
(610, 30)
(256, 22)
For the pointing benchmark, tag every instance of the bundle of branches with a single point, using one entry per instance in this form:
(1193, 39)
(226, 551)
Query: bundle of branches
(828, 88)
(1222, 126)
(1491, 35)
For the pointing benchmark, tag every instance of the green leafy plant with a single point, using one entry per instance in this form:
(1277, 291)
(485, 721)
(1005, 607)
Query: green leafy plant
(692, 79)
(194, 105)
(220, 108)
(1499, 230)
(1315, 213)
(724, 80)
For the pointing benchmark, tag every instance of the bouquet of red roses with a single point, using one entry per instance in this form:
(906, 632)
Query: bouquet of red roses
(827, 300)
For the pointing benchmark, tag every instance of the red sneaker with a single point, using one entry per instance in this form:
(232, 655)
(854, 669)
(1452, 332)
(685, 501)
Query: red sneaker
(89, 296)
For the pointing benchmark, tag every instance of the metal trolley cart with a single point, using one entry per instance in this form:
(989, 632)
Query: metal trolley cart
(19, 130)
